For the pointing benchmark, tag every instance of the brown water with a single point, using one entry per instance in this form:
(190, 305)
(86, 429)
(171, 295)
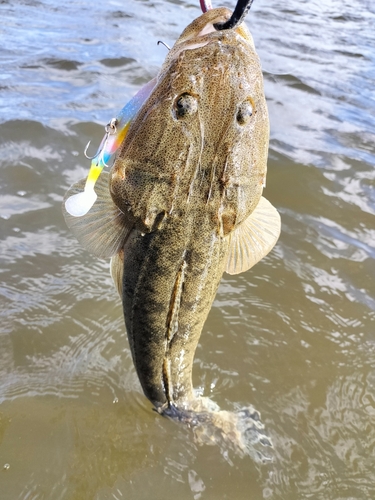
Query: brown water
(294, 336)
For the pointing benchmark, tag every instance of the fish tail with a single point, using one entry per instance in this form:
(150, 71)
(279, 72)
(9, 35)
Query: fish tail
(240, 431)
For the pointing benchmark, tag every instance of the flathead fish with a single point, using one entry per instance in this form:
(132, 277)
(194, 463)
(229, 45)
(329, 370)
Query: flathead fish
(182, 204)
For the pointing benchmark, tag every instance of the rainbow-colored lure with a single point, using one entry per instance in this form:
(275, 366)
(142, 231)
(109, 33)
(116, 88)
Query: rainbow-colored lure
(79, 204)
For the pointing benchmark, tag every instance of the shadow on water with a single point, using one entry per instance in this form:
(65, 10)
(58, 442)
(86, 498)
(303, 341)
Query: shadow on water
(294, 336)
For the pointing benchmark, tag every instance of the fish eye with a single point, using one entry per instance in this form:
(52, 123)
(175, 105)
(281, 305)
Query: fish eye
(184, 105)
(244, 112)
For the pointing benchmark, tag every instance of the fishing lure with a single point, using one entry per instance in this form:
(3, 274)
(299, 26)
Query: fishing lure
(115, 131)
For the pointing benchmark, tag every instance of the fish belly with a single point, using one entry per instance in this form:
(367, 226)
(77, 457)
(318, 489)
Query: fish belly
(169, 283)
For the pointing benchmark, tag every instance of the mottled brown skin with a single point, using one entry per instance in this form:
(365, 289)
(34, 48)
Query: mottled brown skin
(189, 171)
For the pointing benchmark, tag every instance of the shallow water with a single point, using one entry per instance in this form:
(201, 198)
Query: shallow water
(294, 336)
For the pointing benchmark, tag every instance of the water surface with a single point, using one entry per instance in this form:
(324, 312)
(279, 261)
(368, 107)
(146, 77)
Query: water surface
(294, 336)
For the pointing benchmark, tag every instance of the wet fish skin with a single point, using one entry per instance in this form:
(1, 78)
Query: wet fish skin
(196, 178)
(162, 156)
(170, 280)
(182, 204)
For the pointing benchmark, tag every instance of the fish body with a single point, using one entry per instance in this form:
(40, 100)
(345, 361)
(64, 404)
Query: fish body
(183, 201)
(170, 280)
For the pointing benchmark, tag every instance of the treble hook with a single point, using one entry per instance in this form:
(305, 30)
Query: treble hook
(91, 157)
(110, 129)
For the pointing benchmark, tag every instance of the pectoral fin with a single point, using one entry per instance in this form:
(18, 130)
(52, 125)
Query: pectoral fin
(104, 229)
(253, 238)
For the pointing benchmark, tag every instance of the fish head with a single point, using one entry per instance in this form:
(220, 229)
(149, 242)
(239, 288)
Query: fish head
(202, 136)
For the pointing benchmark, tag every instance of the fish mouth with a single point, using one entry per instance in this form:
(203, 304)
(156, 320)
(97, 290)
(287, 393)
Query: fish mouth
(203, 31)
(239, 13)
